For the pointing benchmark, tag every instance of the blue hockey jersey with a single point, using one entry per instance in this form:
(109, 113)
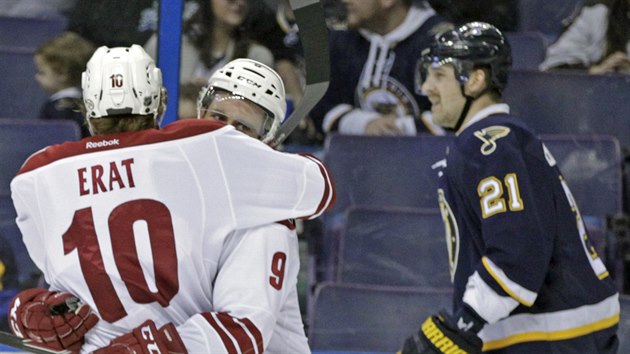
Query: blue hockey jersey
(519, 252)
(372, 74)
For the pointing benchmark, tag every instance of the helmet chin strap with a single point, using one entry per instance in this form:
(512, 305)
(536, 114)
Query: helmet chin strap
(469, 101)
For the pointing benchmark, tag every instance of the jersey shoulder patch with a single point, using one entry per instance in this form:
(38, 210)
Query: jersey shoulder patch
(489, 137)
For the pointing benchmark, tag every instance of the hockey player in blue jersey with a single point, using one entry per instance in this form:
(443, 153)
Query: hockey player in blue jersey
(526, 276)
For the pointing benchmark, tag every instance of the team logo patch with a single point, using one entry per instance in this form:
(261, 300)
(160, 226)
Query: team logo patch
(390, 98)
(489, 137)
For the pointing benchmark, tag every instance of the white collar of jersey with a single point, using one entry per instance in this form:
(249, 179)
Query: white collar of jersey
(72, 92)
(415, 18)
(498, 108)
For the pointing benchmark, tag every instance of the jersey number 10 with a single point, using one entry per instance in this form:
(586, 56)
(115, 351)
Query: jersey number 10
(81, 236)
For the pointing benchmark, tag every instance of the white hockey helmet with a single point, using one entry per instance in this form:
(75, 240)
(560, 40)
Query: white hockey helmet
(256, 82)
(121, 81)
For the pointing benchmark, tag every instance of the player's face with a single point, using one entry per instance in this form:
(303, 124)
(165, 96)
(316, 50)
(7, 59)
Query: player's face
(47, 78)
(444, 92)
(361, 13)
(230, 13)
(237, 111)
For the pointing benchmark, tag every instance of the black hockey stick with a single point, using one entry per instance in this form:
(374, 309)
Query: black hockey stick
(12, 341)
(311, 22)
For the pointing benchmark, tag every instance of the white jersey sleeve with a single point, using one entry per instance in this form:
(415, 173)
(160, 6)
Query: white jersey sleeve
(254, 299)
(135, 224)
(275, 181)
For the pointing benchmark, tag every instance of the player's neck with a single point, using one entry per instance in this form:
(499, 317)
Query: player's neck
(480, 103)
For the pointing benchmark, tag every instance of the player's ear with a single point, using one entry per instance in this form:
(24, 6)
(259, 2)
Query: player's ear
(477, 82)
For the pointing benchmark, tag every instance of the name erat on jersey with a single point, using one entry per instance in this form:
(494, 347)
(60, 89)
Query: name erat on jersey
(179, 201)
(517, 215)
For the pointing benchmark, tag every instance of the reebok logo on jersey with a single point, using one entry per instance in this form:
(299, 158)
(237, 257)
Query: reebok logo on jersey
(102, 143)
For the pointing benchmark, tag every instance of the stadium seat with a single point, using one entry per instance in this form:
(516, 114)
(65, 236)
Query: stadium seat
(571, 103)
(20, 138)
(393, 246)
(377, 171)
(370, 318)
(385, 171)
(593, 163)
(32, 31)
(27, 273)
(624, 324)
(590, 163)
(548, 17)
(528, 49)
(20, 97)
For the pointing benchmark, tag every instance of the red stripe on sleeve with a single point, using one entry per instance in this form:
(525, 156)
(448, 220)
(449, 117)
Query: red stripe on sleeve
(227, 342)
(238, 329)
(328, 199)
(255, 332)
(235, 329)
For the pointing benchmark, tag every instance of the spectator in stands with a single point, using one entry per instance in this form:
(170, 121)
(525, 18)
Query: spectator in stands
(113, 23)
(372, 89)
(214, 35)
(60, 62)
(597, 40)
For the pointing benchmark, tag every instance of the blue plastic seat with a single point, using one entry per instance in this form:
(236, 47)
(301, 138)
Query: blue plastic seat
(393, 246)
(528, 49)
(570, 102)
(590, 163)
(377, 171)
(20, 97)
(548, 17)
(18, 140)
(29, 32)
(370, 318)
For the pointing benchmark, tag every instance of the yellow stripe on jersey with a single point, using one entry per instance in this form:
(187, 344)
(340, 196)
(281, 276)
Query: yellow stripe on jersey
(551, 336)
(503, 281)
(552, 326)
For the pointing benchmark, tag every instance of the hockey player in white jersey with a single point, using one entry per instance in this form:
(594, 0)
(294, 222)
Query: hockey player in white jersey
(222, 100)
(155, 229)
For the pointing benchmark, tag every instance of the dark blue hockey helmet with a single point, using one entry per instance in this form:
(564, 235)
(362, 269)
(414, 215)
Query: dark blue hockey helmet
(470, 46)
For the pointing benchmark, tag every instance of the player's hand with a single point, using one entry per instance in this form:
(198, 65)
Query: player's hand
(52, 319)
(438, 334)
(385, 125)
(147, 339)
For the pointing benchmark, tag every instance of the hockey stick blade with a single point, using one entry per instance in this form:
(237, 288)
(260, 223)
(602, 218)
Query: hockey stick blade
(311, 22)
(16, 342)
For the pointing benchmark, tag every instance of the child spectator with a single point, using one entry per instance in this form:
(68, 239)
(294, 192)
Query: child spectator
(60, 63)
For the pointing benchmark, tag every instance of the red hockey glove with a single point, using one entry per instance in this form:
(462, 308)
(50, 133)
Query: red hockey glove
(52, 319)
(147, 339)
(439, 335)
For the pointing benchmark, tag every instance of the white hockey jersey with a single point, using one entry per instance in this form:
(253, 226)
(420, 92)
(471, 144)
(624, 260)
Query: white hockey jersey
(152, 225)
